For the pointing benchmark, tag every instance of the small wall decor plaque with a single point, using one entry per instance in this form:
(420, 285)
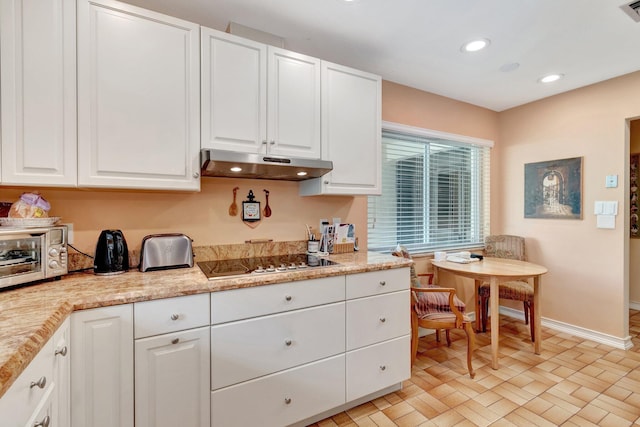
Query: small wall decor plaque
(553, 189)
(250, 208)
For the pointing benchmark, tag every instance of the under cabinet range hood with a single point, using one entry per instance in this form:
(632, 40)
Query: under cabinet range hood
(231, 164)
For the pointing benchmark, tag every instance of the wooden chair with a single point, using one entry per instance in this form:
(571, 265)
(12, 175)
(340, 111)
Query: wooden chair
(511, 247)
(437, 308)
(447, 317)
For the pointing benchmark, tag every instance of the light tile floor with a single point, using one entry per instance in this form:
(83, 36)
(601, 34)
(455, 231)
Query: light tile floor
(574, 382)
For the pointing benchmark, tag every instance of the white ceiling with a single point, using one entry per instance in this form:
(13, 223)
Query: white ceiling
(417, 42)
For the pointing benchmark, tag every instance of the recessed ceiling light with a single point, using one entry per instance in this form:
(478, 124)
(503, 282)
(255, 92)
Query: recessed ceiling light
(550, 78)
(475, 45)
(236, 169)
(301, 173)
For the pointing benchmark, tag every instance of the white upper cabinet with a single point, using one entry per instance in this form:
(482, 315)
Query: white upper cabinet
(351, 133)
(258, 98)
(38, 92)
(138, 98)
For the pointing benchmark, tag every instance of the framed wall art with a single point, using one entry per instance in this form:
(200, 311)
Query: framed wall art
(553, 189)
(634, 224)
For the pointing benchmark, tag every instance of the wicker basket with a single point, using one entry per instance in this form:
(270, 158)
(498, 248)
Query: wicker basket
(342, 248)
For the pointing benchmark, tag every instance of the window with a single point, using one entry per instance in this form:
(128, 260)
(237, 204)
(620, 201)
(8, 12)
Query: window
(435, 191)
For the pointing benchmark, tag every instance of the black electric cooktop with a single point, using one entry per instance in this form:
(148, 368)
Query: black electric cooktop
(261, 265)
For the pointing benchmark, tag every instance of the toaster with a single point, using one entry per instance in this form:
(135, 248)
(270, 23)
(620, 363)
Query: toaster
(165, 251)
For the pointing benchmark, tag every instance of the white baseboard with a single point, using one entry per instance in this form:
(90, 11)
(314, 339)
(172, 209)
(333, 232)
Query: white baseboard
(599, 337)
(635, 305)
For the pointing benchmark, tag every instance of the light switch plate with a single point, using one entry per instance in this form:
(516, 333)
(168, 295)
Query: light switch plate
(611, 181)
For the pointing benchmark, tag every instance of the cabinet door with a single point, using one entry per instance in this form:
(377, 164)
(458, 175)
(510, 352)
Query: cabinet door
(38, 99)
(102, 370)
(61, 408)
(172, 380)
(234, 92)
(138, 98)
(351, 133)
(294, 104)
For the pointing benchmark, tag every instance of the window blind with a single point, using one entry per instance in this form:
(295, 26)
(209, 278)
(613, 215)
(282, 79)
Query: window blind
(435, 192)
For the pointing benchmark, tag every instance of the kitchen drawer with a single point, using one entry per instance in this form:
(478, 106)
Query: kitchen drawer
(244, 303)
(251, 348)
(20, 401)
(170, 315)
(378, 318)
(281, 399)
(378, 366)
(377, 282)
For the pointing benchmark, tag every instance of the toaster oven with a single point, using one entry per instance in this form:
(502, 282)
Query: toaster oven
(31, 254)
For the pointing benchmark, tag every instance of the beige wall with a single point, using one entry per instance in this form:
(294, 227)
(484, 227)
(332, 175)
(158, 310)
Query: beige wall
(202, 216)
(634, 244)
(586, 283)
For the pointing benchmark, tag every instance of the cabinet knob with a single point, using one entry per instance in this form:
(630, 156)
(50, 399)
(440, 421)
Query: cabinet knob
(288, 297)
(61, 351)
(175, 341)
(272, 142)
(383, 367)
(196, 175)
(287, 400)
(326, 182)
(287, 343)
(264, 142)
(44, 423)
(383, 283)
(175, 316)
(383, 319)
(40, 383)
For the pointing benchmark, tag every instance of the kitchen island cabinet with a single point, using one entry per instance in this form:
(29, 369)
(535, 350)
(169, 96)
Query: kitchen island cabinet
(258, 98)
(138, 98)
(38, 92)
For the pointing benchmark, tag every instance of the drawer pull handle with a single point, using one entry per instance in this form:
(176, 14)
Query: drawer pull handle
(383, 319)
(62, 351)
(175, 316)
(288, 298)
(175, 341)
(44, 423)
(287, 343)
(40, 383)
(383, 367)
(383, 283)
(287, 400)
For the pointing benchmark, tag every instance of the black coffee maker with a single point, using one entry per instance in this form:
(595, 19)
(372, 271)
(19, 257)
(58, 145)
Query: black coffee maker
(112, 253)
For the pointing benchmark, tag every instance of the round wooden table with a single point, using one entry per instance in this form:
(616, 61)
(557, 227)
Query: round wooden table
(494, 271)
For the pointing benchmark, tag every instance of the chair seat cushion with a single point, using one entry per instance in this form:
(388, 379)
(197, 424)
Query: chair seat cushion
(514, 290)
(436, 302)
(442, 316)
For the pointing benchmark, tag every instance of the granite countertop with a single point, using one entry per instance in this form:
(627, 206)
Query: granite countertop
(30, 315)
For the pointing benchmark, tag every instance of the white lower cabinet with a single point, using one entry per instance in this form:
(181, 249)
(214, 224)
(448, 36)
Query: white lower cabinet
(172, 379)
(283, 398)
(284, 340)
(102, 367)
(378, 366)
(39, 396)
